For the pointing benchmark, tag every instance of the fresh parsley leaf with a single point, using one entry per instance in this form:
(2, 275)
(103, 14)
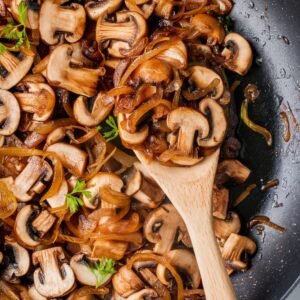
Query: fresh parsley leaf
(227, 22)
(16, 32)
(110, 130)
(101, 269)
(73, 200)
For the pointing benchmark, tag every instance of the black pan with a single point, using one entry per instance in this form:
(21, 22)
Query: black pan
(273, 28)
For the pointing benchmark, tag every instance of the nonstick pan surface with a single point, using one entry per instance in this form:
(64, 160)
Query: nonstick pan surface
(273, 28)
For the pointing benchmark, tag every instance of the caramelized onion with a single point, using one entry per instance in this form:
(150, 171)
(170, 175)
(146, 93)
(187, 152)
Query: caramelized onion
(135, 117)
(113, 197)
(266, 221)
(244, 194)
(8, 202)
(58, 173)
(256, 128)
(49, 126)
(135, 237)
(163, 261)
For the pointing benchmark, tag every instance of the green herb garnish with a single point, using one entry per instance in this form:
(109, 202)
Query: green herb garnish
(16, 32)
(73, 200)
(101, 269)
(110, 130)
(227, 22)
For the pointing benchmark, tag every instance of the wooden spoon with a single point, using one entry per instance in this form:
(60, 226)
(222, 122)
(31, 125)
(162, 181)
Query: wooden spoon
(190, 191)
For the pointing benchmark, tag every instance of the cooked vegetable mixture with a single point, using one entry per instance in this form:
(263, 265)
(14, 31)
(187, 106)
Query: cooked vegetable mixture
(82, 84)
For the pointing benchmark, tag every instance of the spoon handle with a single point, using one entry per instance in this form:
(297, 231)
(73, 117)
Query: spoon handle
(216, 282)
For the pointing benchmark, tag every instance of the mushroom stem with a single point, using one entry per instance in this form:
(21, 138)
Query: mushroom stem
(117, 31)
(8, 61)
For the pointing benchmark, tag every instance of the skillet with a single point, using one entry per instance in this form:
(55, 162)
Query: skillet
(272, 27)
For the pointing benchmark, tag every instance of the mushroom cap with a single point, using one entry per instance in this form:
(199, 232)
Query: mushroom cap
(203, 77)
(34, 294)
(95, 9)
(10, 113)
(161, 226)
(153, 71)
(188, 121)
(20, 266)
(21, 227)
(17, 68)
(38, 98)
(239, 53)
(82, 272)
(218, 123)
(183, 260)
(55, 19)
(101, 108)
(72, 158)
(136, 138)
(209, 27)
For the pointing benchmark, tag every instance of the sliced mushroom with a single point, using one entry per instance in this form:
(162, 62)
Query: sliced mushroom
(220, 200)
(80, 265)
(34, 294)
(224, 228)
(126, 282)
(61, 71)
(130, 28)
(72, 158)
(238, 54)
(136, 138)
(161, 227)
(218, 123)
(29, 181)
(14, 68)
(56, 18)
(36, 98)
(112, 249)
(101, 108)
(31, 224)
(95, 9)
(188, 121)
(183, 260)
(32, 18)
(203, 77)
(143, 294)
(60, 198)
(8, 292)
(209, 27)
(231, 169)
(19, 261)
(54, 277)
(143, 189)
(234, 247)
(10, 113)
(74, 296)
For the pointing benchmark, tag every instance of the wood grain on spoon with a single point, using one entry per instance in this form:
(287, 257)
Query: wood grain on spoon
(190, 190)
